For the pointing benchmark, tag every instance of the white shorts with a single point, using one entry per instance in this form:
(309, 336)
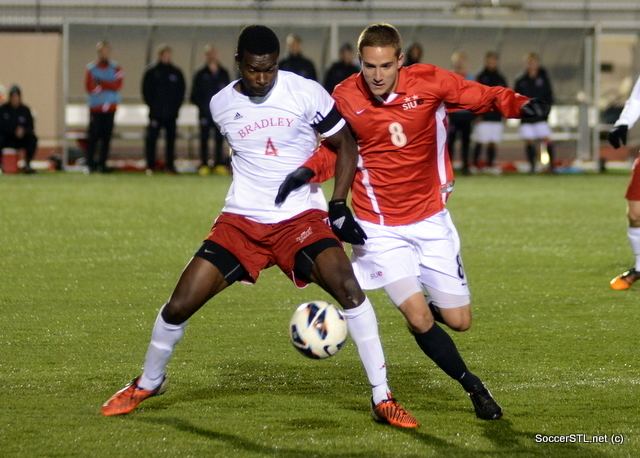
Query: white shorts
(535, 131)
(488, 132)
(429, 250)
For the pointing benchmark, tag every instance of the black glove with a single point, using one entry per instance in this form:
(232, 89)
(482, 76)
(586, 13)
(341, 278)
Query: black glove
(618, 136)
(535, 109)
(343, 224)
(294, 180)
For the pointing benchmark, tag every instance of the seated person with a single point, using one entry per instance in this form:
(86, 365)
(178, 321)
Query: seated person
(16, 128)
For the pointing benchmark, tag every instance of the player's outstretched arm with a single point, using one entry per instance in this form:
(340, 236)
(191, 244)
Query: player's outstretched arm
(459, 93)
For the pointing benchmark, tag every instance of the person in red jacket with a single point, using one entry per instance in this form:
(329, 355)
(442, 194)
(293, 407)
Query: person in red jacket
(399, 194)
(103, 81)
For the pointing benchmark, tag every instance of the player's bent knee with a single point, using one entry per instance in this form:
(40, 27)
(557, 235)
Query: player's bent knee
(458, 319)
(460, 324)
(175, 313)
(352, 292)
(633, 214)
(420, 323)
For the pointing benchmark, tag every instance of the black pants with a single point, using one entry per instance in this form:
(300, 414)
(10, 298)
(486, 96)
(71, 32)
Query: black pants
(219, 158)
(153, 131)
(462, 128)
(100, 131)
(28, 143)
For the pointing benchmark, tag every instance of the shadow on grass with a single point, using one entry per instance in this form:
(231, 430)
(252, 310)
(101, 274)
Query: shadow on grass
(509, 441)
(242, 443)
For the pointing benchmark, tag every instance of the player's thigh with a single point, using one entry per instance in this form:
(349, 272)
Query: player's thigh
(438, 248)
(332, 271)
(416, 311)
(199, 282)
(386, 257)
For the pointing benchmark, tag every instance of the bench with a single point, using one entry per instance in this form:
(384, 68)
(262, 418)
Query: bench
(130, 121)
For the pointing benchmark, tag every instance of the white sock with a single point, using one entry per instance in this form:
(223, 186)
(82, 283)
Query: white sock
(363, 329)
(164, 338)
(634, 239)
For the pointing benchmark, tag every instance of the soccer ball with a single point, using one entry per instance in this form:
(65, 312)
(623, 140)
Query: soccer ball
(318, 329)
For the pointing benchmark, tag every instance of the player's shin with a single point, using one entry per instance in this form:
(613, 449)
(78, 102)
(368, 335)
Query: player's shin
(164, 338)
(363, 329)
(633, 233)
(437, 345)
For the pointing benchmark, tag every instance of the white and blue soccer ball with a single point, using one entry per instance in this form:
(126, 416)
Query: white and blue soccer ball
(318, 329)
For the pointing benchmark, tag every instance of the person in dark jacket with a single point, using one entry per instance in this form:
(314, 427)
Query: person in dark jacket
(535, 83)
(16, 128)
(103, 81)
(295, 62)
(413, 54)
(460, 120)
(488, 131)
(163, 90)
(207, 81)
(341, 69)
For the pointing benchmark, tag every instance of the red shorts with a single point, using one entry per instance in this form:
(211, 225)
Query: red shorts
(633, 191)
(258, 246)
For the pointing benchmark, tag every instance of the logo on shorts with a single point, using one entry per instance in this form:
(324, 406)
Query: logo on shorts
(304, 235)
(375, 275)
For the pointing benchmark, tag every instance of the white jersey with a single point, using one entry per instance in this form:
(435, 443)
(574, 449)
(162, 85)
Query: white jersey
(631, 111)
(270, 137)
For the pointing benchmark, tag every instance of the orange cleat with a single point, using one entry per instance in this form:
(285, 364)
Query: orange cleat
(625, 280)
(390, 411)
(129, 397)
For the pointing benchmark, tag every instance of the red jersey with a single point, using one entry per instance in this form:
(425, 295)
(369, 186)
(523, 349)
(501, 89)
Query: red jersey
(404, 172)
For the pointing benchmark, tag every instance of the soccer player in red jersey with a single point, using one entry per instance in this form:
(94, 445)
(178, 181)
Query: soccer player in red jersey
(399, 118)
(271, 120)
(617, 137)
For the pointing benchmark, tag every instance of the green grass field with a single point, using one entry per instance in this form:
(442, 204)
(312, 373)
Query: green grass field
(86, 261)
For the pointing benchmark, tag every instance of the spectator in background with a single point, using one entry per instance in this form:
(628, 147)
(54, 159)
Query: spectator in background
(488, 132)
(207, 82)
(460, 120)
(414, 54)
(341, 69)
(102, 81)
(295, 62)
(163, 91)
(535, 83)
(16, 128)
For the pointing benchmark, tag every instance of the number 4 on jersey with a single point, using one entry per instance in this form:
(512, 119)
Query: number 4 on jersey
(270, 149)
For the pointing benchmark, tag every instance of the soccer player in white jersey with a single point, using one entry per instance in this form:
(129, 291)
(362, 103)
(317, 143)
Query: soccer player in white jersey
(271, 119)
(617, 137)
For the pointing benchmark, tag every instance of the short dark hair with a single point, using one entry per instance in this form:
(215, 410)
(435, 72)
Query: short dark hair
(258, 40)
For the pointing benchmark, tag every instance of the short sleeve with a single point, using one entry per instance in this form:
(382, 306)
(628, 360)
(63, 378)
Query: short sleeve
(214, 108)
(320, 110)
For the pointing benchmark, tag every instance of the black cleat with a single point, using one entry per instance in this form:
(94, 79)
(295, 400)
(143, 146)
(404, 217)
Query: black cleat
(485, 406)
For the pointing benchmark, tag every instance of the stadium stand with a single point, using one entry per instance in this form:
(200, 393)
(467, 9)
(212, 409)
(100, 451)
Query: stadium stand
(573, 37)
